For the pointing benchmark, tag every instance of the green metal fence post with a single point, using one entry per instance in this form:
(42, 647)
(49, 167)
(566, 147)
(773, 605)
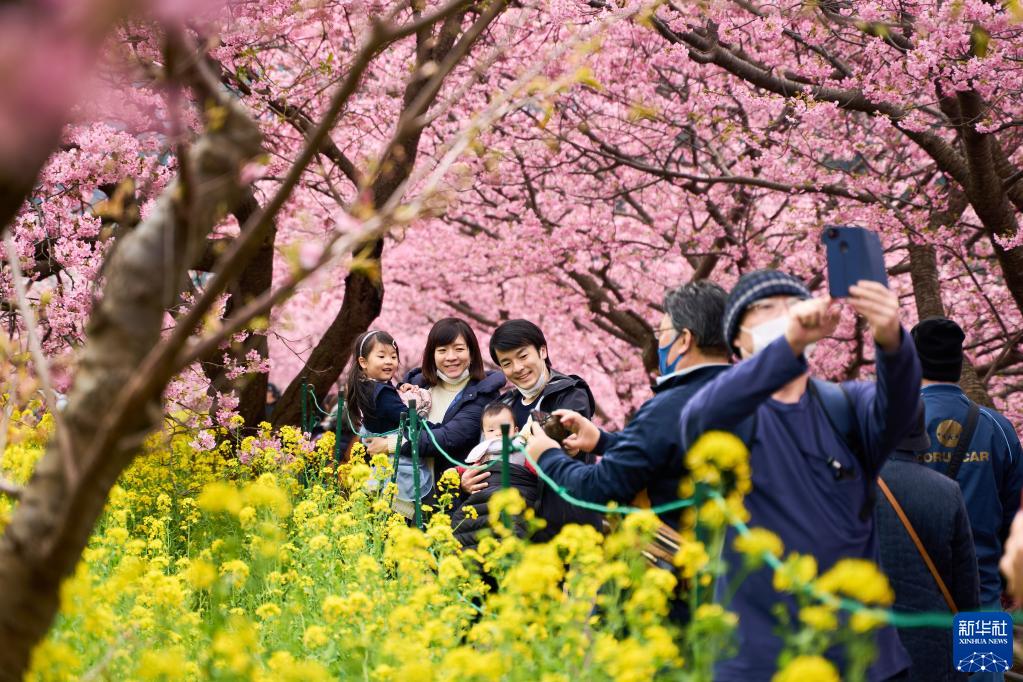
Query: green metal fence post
(337, 427)
(505, 452)
(413, 434)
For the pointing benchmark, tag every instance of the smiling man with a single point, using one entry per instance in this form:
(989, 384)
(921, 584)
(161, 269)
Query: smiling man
(519, 348)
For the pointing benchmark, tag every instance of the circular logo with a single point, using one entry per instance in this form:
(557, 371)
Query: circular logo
(948, 433)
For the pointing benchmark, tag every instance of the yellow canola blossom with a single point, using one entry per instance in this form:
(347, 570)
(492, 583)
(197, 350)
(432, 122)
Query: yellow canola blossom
(795, 573)
(757, 543)
(858, 579)
(806, 668)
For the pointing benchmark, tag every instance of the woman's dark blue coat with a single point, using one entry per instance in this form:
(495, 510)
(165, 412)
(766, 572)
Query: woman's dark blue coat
(461, 427)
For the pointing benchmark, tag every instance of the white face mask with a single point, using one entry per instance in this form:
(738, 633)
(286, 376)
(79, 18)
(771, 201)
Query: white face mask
(537, 388)
(457, 380)
(766, 332)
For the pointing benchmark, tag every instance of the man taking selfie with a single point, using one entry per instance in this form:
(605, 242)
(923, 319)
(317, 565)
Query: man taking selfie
(815, 447)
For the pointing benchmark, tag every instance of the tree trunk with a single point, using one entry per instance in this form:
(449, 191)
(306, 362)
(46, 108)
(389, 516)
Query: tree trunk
(923, 270)
(256, 278)
(52, 523)
(364, 289)
(363, 299)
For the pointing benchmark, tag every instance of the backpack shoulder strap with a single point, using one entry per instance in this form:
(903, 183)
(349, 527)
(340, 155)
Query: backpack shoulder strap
(841, 414)
(838, 406)
(965, 436)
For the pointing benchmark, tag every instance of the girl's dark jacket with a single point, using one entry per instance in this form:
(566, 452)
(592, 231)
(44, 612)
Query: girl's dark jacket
(387, 408)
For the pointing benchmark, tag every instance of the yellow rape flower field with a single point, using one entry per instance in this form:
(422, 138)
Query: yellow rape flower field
(288, 567)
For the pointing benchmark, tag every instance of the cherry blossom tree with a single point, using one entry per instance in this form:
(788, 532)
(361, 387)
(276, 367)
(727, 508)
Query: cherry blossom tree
(715, 140)
(135, 254)
(698, 141)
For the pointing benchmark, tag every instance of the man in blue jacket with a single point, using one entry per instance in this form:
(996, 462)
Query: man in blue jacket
(991, 472)
(647, 453)
(808, 485)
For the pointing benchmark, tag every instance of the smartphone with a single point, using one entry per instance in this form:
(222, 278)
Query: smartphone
(854, 253)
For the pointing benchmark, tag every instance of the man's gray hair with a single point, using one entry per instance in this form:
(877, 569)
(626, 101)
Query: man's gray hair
(699, 307)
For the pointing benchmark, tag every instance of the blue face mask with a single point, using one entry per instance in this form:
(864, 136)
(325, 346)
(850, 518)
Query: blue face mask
(662, 357)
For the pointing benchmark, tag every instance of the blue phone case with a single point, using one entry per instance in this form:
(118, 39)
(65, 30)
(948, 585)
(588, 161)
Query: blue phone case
(854, 253)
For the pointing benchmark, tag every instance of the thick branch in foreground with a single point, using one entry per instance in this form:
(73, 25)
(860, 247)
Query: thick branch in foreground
(50, 527)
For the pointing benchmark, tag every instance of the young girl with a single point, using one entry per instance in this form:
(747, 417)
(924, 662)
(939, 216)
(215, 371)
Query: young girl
(373, 403)
(375, 406)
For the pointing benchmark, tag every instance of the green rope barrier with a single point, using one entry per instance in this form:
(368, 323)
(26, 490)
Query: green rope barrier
(895, 618)
(899, 619)
(385, 434)
(310, 424)
(455, 462)
(593, 506)
(315, 402)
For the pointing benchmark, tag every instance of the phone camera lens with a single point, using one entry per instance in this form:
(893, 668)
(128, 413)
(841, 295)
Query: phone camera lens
(832, 233)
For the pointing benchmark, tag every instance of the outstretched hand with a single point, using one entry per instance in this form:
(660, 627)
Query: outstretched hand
(585, 433)
(880, 307)
(538, 442)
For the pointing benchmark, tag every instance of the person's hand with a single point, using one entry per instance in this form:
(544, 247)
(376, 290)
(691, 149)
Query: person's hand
(810, 321)
(376, 446)
(474, 480)
(538, 442)
(880, 307)
(585, 433)
(1012, 560)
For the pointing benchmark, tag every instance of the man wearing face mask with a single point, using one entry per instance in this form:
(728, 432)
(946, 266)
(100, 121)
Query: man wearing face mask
(812, 483)
(519, 348)
(647, 453)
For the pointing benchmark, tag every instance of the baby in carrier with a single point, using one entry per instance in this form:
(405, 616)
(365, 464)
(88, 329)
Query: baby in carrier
(467, 525)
